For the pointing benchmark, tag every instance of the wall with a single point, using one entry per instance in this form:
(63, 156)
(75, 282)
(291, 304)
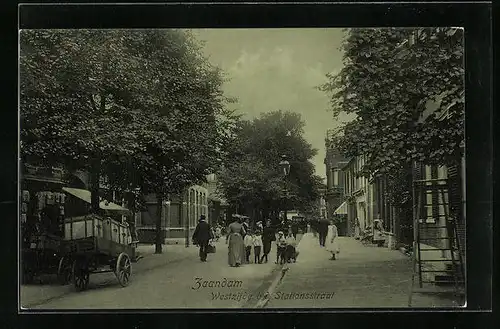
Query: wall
(194, 205)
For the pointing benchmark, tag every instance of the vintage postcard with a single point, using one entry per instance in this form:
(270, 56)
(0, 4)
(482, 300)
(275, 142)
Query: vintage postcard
(242, 168)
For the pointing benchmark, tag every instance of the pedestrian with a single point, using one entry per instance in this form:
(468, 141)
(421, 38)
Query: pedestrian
(378, 233)
(323, 231)
(357, 229)
(333, 244)
(218, 233)
(291, 243)
(246, 226)
(295, 229)
(201, 237)
(268, 236)
(248, 241)
(257, 246)
(281, 248)
(234, 239)
(260, 227)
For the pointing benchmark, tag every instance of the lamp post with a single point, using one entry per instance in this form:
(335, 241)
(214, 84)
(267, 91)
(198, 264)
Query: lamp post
(285, 167)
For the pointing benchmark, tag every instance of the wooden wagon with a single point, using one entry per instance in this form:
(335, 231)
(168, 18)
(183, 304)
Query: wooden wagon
(96, 244)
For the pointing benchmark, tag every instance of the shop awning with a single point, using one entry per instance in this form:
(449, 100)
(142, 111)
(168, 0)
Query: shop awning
(342, 209)
(86, 196)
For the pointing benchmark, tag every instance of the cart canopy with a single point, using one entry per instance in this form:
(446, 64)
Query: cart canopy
(86, 196)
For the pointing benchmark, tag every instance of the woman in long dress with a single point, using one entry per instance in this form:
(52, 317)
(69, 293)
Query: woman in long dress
(236, 247)
(332, 243)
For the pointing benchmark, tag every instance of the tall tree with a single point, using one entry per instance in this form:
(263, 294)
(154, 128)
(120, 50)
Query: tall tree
(142, 107)
(389, 77)
(253, 179)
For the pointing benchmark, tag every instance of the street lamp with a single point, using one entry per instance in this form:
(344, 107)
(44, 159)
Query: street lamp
(285, 166)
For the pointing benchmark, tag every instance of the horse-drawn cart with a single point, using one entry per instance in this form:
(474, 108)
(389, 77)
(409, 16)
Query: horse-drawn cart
(96, 244)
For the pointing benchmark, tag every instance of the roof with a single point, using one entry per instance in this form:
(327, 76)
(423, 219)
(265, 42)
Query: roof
(86, 196)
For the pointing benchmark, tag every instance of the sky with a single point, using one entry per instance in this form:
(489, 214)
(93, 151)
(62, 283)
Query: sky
(279, 69)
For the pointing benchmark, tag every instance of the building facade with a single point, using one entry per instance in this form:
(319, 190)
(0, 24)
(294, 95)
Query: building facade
(334, 161)
(358, 196)
(367, 200)
(179, 216)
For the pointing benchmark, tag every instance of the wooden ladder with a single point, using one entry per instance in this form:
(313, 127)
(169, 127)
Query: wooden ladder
(451, 246)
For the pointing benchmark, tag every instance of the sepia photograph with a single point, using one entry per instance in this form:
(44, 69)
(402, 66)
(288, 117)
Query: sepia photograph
(226, 168)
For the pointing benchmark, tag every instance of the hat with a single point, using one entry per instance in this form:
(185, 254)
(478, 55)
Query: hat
(280, 232)
(202, 217)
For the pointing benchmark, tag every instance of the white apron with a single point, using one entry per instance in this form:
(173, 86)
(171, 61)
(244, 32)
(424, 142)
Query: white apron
(332, 245)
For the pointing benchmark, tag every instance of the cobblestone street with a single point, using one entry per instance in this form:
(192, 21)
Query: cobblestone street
(362, 276)
(169, 280)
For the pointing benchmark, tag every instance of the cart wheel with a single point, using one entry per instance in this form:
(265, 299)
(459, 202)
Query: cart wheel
(64, 271)
(123, 269)
(80, 275)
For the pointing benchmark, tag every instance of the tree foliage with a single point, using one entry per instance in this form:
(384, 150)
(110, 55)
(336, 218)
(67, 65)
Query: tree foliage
(141, 107)
(144, 103)
(400, 83)
(253, 176)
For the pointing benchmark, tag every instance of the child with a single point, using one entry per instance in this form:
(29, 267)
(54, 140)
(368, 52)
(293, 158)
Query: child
(248, 241)
(281, 250)
(257, 246)
(218, 233)
(290, 247)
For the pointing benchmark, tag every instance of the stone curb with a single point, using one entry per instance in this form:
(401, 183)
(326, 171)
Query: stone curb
(277, 280)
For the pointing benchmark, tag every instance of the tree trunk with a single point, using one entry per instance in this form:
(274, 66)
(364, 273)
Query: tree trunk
(95, 175)
(159, 238)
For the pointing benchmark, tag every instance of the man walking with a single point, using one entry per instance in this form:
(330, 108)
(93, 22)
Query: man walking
(323, 231)
(201, 236)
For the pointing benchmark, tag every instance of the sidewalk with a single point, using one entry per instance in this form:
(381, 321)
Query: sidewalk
(362, 276)
(35, 294)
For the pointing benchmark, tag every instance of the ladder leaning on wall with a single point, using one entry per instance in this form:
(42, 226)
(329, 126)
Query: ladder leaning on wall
(452, 271)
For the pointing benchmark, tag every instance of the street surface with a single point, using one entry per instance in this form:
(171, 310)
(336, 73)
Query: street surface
(362, 276)
(174, 279)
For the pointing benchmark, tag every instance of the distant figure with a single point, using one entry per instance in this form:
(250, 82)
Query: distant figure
(259, 226)
(290, 252)
(281, 248)
(357, 229)
(295, 229)
(378, 233)
(257, 246)
(333, 245)
(236, 247)
(248, 241)
(201, 236)
(268, 236)
(218, 233)
(246, 226)
(323, 231)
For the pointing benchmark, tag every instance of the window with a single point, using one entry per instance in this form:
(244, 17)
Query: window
(336, 177)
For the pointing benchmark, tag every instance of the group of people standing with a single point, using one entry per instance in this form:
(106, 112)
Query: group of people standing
(241, 241)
